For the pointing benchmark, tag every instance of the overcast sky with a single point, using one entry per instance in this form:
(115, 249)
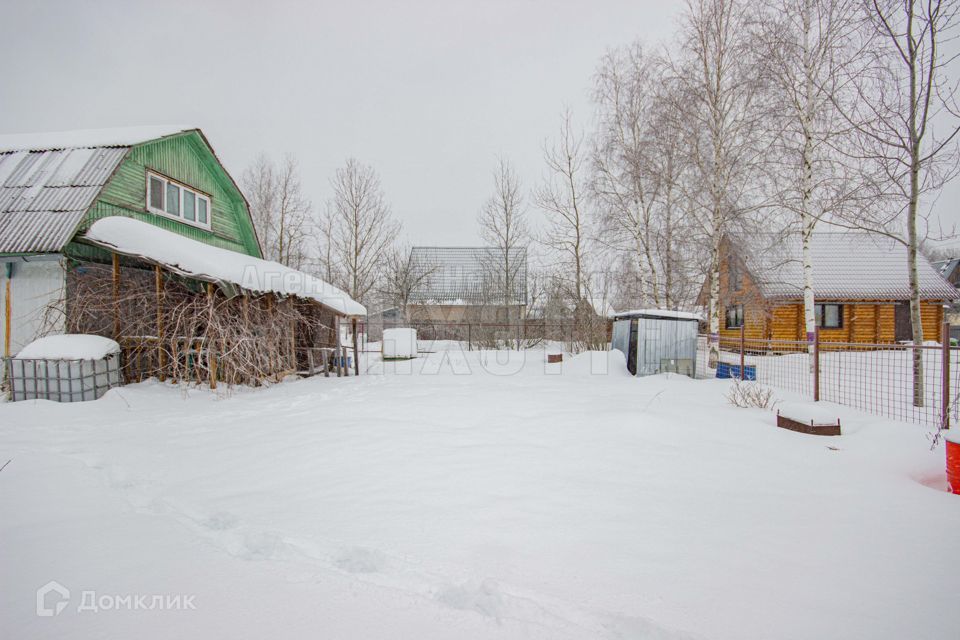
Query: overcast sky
(429, 93)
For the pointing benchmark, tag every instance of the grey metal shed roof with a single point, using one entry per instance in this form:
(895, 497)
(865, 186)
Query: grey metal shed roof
(846, 266)
(49, 180)
(467, 275)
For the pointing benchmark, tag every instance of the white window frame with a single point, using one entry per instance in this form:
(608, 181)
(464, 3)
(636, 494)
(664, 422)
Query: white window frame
(199, 195)
(737, 311)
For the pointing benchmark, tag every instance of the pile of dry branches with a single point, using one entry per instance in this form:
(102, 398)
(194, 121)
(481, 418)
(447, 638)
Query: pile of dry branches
(184, 330)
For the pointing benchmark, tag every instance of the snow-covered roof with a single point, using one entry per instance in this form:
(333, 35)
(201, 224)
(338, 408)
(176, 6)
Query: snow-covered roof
(49, 180)
(467, 275)
(70, 346)
(658, 313)
(88, 138)
(200, 261)
(846, 266)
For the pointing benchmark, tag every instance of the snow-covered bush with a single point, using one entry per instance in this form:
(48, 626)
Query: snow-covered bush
(751, 394)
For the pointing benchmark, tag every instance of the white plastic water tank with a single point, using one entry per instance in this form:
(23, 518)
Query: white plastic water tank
(399, 344)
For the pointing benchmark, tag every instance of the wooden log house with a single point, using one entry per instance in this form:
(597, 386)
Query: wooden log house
(861, 290)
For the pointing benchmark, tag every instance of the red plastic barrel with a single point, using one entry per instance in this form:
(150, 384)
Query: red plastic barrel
(953, 467)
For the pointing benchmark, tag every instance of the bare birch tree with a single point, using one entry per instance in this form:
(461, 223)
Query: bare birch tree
(327, 265)
(722, 91)
(641, 165)
(624, 89)
(805, 45)
(563, 199)
(280, 212)
(363, 228)
(503, 226)
(904, 108)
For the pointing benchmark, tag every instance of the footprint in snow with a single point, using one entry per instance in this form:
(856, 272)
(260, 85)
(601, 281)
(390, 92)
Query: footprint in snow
(262, 545)
(221, 521)
(360, 560)
(484, 597)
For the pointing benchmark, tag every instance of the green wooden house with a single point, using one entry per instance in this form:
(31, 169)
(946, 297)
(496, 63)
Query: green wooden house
(60, 197)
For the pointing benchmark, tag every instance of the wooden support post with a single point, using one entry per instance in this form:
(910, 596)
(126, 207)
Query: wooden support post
(743, 369)
(7, 308)
(945, 392)
(116, 296)
(161, 358)
(211, 352)
(271, 318)
(816, 364)
(293, 337)
(356, 360)
(337, 353)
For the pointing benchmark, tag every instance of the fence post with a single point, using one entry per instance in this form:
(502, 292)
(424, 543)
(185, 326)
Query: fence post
(816, 364)
(469, 337)
(945, 376)
(743, 371)
(356, 349)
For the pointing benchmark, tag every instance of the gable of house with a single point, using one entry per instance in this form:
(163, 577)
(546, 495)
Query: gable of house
(54, 186)
(186, 159)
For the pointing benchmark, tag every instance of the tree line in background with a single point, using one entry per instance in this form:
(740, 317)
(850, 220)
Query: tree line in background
(764, 120)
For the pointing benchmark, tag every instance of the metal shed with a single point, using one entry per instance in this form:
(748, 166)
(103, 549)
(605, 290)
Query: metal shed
(657, 341)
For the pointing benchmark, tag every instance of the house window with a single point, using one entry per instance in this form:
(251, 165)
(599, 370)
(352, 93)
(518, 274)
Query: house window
(156, 193)
(734, 316)
(829, 316)
(174, 200)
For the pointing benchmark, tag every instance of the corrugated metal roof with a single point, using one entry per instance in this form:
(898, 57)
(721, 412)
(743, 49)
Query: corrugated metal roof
(468, 275)
(49, 180)
(80, 138)
(44, 194)
(846, 266)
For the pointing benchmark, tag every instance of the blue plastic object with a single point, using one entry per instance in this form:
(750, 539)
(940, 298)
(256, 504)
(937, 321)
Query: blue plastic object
(750, 372)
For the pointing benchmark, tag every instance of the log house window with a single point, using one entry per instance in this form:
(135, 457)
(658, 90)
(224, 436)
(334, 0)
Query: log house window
(734, 318)
(829, 316)
(172, 199)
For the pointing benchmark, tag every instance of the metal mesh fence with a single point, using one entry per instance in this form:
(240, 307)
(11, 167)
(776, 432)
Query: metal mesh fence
(919, 384)
(492, 335)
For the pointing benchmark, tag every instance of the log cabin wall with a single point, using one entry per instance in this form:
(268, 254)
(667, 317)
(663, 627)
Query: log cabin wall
(864, 321)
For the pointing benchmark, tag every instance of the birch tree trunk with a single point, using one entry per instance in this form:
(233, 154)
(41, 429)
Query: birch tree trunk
(905, 112)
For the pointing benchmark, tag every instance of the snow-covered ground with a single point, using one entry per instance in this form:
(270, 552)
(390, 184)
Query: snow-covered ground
(477, 495)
